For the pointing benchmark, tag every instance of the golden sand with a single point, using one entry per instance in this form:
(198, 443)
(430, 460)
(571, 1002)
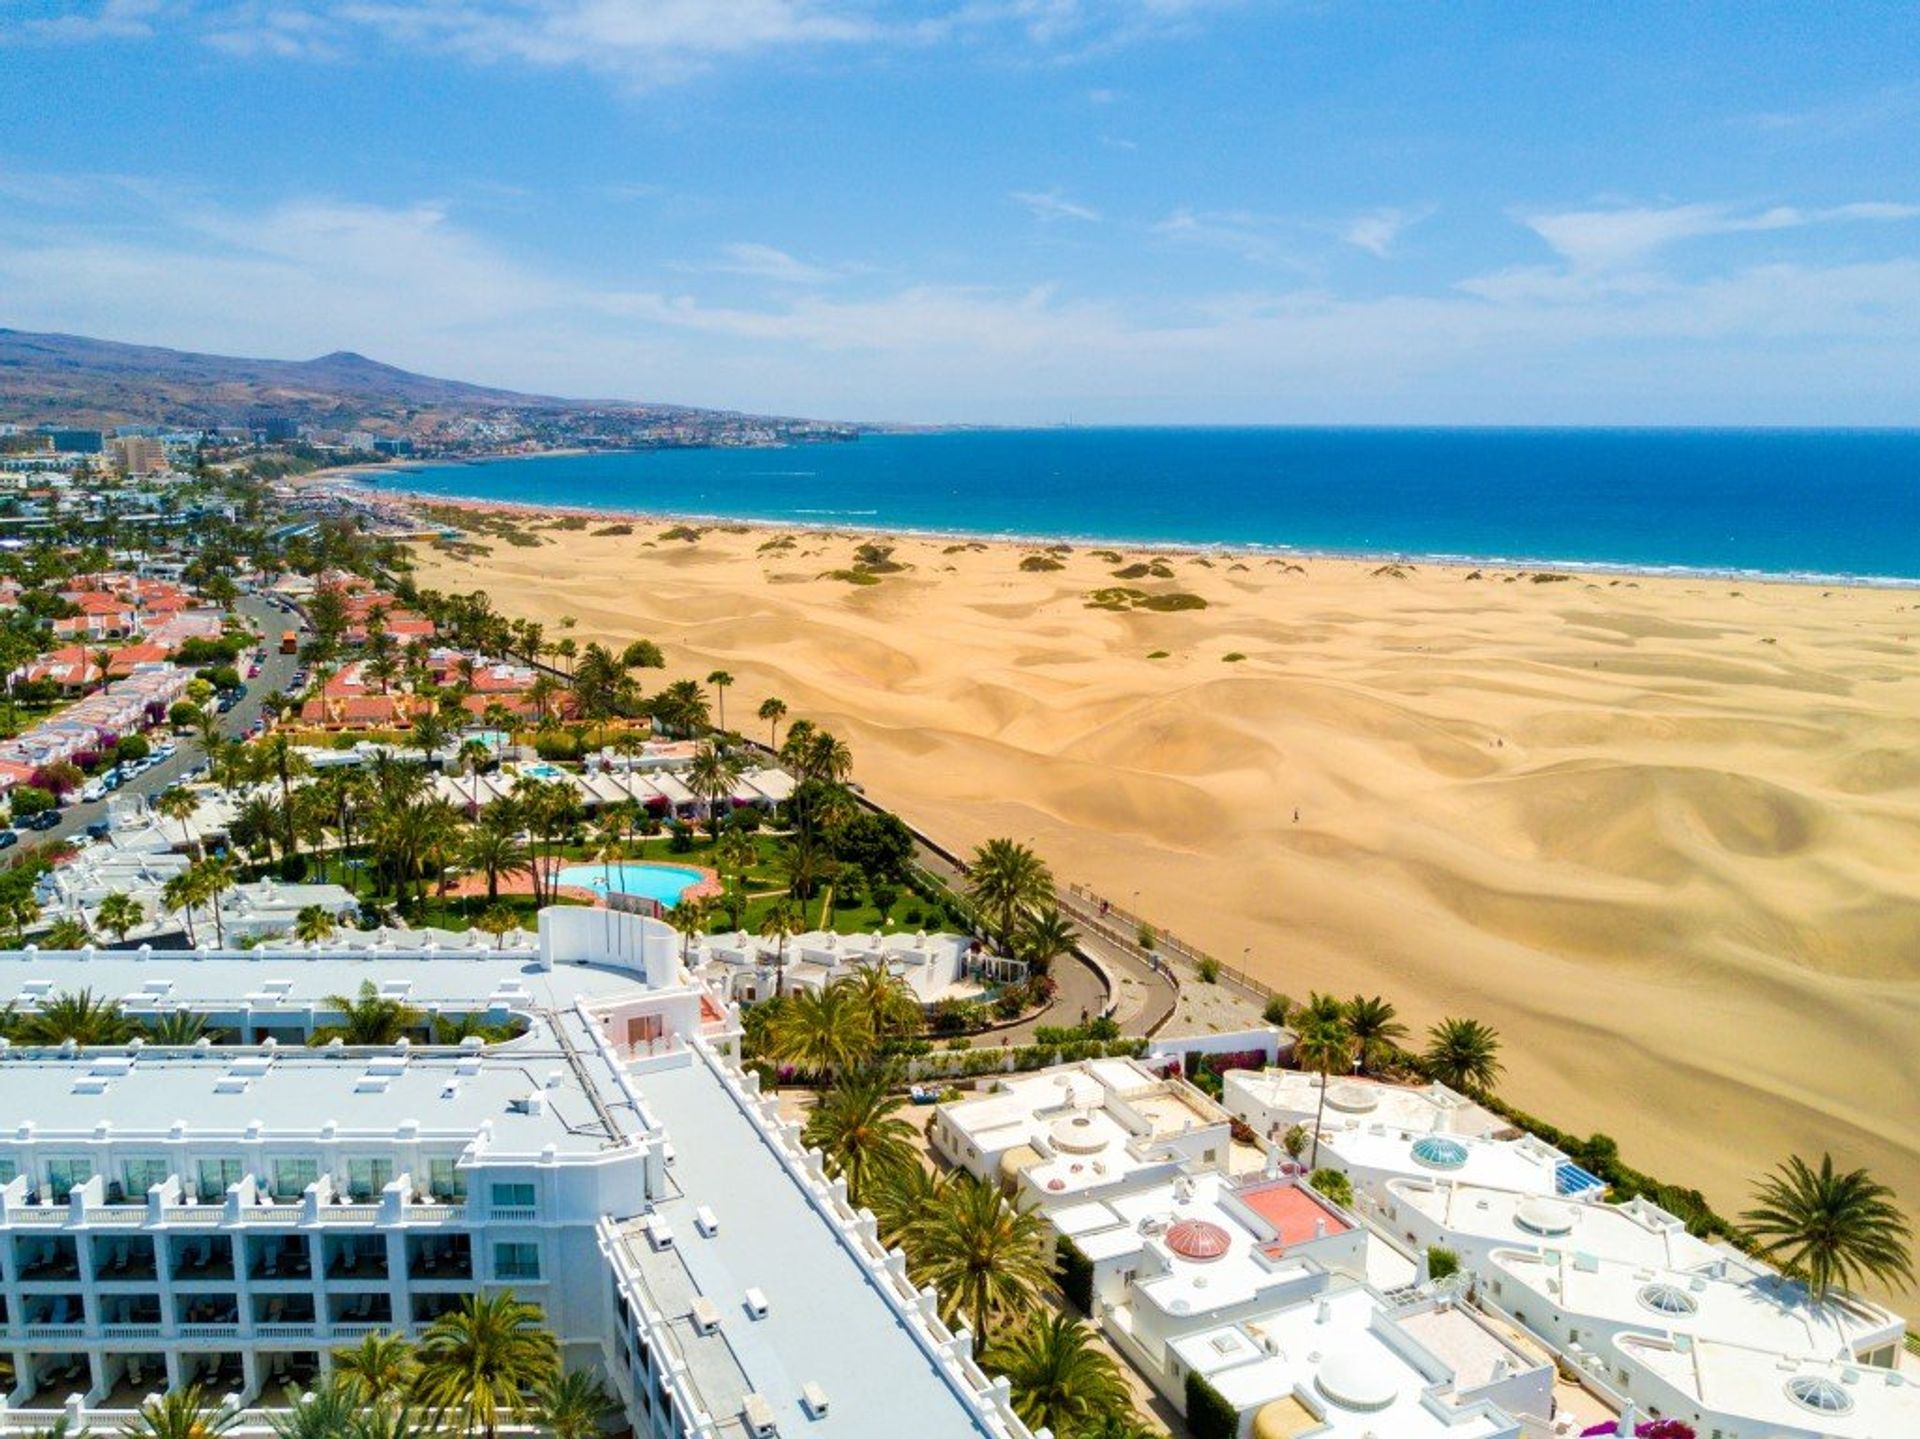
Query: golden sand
(1663, 833)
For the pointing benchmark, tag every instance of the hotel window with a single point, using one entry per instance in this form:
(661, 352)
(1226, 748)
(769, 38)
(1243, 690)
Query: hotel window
(215, 1176)
(140, 1175)
(9, 1171)
(64, 1174)
(513, 1196)
(446, 1181)
(367, 1177)
(516, 1261)
(292, 1176)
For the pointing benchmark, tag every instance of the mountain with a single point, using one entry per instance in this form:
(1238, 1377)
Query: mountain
(77, 380)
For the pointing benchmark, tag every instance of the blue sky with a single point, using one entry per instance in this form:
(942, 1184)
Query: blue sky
(996, 210)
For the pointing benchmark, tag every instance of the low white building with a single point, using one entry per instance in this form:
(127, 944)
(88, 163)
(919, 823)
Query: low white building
(1078, 1130)
(934, 967)
(1734, 1391)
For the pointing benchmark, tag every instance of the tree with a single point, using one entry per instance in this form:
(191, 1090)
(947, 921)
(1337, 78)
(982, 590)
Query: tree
(901, 1197)
(178, 1027)
(1005, 880)
(824, 1032)
(1324, 1045)
(179, 805)
(1043, 936)
(213, 878)
(79, 1017)
(711, 776)
(858, 1130)
(1463, 1053)
(499, 921)
(1375, 1028)
(643, 655)
(119, 913)
(688, 918)
(893, 1009)
(720, 680)
(572, 1406)
(66, 932)
(181, 894)
(313, 924)
(984, 1257)
(188, 1413)
(772, 711)
(782, 921)
(479, 1362)
(380, 1369)
(328, 1412)
(1831, 1229)
(370, 1018)
(1059, 1379)
(495, 851)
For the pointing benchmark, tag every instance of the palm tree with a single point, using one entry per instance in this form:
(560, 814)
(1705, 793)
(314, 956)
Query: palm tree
(495, 851)
(370, 1018)
(79, 1017)
(329, 1412)
(901, 1198)
(1374, 1026)
(478, 1363)
(823, 1032)
(982, 1256)
(1834, 1230)
(1044, 936)
(687, 918)
(1323, 1045)
(1463, 1053)
(1005, 880)
(720, 679)
(858, 1130)
(215, 877)
(66, 932)
(499, 921)
(473, 757)
(313, 924)
(711, 776)
(781, 922)
(119, 913)
(773, 711)
(572, 1406)
(181, 894)
(736, 854)
(179, 804)
(380, 1369)
(1059, 1379)
(178, 1027)
(893, 1010)
(180, 1414)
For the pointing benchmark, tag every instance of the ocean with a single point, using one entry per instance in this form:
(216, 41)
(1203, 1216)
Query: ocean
(1828, 504)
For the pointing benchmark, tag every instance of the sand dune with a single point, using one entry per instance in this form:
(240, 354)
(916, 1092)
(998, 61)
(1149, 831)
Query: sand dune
(1663, 833)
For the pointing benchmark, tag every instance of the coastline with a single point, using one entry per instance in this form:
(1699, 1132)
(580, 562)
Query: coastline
(1226, 549)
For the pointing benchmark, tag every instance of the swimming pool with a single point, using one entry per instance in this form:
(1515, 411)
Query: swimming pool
(662, 882)
(542, 770)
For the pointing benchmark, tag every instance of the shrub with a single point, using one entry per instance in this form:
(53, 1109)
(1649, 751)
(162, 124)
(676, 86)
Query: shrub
(30, 799)
(1209, 1415)
(643, 655)
(1335, 1185)
(1276, 1011)
(1040, 562)
(183, 715)
(556, 747)
(1442, 1263)
(1232, 657)
(1146, 938)
(679, 836)
(1208, 969)
(132, 747)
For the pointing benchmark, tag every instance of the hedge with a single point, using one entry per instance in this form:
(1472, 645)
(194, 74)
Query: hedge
(1075, 1273)
(1209, 1415)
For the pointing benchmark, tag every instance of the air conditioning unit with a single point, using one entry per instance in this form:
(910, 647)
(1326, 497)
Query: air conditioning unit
(756, 1304)
(759, 1416)
(814, 1398)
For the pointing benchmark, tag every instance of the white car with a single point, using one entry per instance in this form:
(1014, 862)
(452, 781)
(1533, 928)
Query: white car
(93, 789)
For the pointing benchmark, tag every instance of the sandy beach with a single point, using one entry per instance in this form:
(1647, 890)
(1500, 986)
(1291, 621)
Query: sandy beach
(1661, 832)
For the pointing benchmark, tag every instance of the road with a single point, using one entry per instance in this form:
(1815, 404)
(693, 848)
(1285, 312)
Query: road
(275, 670)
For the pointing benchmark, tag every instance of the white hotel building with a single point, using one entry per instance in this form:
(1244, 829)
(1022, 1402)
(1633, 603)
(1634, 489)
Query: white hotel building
(230, 1213)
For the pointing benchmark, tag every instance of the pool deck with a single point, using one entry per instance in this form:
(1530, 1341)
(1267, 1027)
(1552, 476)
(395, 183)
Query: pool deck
(709, 886)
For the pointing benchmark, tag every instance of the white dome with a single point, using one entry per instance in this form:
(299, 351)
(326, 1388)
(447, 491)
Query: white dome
(1352, 1098)
(1543, 1216)
(1352, 1381)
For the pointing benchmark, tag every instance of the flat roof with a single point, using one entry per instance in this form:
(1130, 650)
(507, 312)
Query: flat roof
(826, 1323)
(1637, 1232)
(1327, 1353)
(1752, 1384)
(1524, 1165)
(1296, 1213)
(1765, 1310)
(1427, 1109)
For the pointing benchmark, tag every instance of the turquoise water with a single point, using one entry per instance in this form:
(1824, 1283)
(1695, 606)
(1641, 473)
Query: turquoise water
(1806, 502)
(662, 882)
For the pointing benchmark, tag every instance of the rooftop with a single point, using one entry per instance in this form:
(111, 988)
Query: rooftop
(1753, 1384)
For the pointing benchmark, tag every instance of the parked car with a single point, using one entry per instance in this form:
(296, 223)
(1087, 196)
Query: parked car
(92, 790)
(100, 829)
(8, 839)
(46, 819)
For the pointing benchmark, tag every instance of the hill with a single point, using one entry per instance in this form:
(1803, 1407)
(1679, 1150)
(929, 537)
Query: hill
(77, 380)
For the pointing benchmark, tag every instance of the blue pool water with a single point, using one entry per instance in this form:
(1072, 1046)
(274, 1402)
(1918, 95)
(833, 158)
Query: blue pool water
(542, 771)
(1841, 503)
(662, 882)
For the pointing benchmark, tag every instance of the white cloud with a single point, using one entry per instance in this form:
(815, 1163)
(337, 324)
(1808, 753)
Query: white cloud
(764, 262)
(1254, 238)
(110, 20)
(1612, 239)
(1050, 205)
(1377, 230)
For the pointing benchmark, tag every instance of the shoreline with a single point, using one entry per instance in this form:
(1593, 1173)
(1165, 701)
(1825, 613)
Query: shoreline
(1621, 569)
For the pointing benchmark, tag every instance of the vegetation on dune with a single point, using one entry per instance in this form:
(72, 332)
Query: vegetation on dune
(1833, 1229)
